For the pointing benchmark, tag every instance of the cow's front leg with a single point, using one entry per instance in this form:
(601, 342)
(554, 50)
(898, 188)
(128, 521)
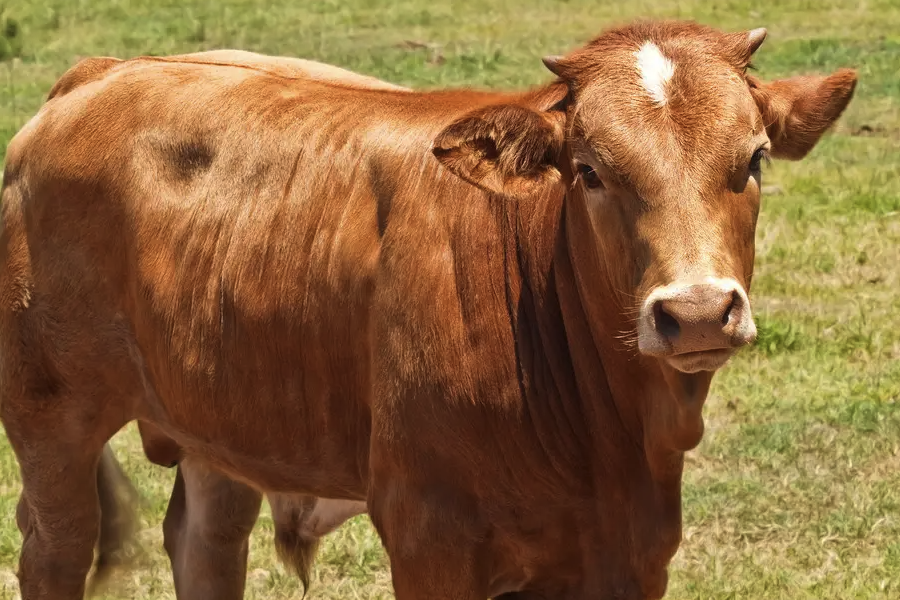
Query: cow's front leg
(434, 541)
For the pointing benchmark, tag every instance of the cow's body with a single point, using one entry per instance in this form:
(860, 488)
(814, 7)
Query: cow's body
(278, 275)
(206, 533)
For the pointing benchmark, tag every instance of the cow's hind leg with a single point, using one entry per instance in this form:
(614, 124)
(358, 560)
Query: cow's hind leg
(68, 383)
(59, 512)
(206, 532)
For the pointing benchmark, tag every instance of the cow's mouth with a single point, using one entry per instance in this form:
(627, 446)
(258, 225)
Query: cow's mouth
(706, 360)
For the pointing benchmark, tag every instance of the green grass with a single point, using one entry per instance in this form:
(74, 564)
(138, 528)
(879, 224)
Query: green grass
(795, 491)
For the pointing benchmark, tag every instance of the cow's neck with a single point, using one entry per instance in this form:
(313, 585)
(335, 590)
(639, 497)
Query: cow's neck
(636, 412)
(659, 407)
(591, 406)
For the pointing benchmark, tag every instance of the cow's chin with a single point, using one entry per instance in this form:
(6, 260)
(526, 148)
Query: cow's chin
(695, 362)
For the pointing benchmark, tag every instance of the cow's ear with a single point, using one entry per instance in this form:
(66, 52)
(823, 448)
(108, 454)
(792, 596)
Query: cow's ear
(504, 149)
(797, 111)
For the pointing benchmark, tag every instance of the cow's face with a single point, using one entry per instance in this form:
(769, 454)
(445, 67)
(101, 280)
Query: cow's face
(664, 138)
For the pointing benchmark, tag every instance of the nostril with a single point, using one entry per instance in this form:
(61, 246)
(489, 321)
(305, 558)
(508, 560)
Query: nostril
(666, 325)
(734, 306)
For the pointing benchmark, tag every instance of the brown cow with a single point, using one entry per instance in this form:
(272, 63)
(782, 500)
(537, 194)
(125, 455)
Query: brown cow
(493, 317)
(209, 518)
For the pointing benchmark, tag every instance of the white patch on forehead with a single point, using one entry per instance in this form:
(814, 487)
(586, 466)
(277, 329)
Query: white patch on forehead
(655, 69)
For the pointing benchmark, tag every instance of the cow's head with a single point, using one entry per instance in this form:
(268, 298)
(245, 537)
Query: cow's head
(662, 137)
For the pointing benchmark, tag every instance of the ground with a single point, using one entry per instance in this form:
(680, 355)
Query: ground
(794, 492)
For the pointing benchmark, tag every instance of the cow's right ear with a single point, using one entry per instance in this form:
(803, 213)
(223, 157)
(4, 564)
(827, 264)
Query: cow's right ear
(504, 149)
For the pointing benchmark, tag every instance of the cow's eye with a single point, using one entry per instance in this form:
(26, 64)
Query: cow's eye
(589, 176)
(760, 155)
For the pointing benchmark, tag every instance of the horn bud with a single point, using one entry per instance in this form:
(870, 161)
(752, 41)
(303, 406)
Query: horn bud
(755, 37)
(555, 65)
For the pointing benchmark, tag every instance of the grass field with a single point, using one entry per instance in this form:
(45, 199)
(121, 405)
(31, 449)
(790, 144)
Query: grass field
(795, 491)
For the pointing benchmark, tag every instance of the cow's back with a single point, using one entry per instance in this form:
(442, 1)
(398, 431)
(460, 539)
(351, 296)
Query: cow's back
(95, 68)
(286, 66)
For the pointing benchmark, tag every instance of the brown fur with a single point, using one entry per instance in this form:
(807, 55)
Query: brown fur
(118, 525)
(86, 71)
(330, 308)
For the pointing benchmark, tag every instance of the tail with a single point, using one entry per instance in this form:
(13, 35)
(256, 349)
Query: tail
(296, 551)
(117, 545)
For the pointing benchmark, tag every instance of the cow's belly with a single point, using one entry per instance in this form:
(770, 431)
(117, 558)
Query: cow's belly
(250, 447)
(279, 405)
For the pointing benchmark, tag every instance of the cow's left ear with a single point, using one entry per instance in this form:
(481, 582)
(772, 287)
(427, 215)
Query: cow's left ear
(797, 111)
(505, 149)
